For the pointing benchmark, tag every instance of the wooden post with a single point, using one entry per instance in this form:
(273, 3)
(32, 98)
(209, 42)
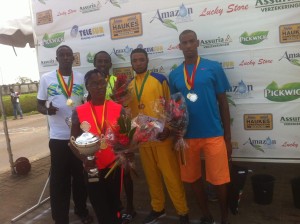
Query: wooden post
(10, 155)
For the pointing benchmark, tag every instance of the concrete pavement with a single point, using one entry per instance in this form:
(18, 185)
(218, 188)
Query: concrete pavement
(19, 193)
(22, 134)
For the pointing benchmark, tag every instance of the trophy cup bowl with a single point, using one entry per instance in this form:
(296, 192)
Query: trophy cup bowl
(87, 144)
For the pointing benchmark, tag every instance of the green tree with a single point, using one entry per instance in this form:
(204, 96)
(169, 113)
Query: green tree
(23, 79)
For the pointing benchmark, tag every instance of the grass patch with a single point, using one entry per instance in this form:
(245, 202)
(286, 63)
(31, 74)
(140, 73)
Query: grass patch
(28, 103)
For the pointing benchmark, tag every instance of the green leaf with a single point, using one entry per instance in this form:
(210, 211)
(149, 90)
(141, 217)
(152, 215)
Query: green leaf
(272, 86)
(115, 3)
(174, 66)
(128, 124)
(258, 147)
(131, 133)
(169, 23)
(230, 101)
(121, 57)
(260, 33)
(245, 34)
(46, 36)
(121, 123)
(295, 62)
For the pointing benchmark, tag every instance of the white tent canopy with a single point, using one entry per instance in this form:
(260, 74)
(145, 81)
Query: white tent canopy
(17, 32)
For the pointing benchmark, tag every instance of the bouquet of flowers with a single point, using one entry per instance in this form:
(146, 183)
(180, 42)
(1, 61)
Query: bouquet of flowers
(147, 128)
(120, 137)
(177, 119)
(121, 93)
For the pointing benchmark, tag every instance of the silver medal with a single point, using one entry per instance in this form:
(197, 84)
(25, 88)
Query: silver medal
(193, 97)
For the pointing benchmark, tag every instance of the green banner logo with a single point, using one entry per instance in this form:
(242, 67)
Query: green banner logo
(53, 40)
(253, 38)
(90, 58)
(287, 92)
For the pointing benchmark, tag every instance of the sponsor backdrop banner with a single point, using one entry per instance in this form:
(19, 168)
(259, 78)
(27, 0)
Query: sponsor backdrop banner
(257, 43)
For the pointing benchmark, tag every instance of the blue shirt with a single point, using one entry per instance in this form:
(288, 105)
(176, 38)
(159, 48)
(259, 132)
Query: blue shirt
(204, 115)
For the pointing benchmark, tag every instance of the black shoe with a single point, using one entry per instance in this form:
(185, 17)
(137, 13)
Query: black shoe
(154, 216)
(184, 219)
(225, 222)
(84, 218)
(88, 219)
(205, 220)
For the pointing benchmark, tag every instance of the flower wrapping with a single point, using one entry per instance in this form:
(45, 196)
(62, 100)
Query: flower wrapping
(120, 137)
(175, 115)
(177, 119)
(147, 128)
(121, 93)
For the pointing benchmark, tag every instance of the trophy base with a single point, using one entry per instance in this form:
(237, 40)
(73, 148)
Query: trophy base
(93, 179)
(93, 175)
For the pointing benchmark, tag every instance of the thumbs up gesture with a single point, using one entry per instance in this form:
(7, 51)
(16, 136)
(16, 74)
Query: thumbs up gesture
(52, 109)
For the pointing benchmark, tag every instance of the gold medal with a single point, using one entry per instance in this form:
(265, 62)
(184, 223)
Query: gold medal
(85, 126)
(70, 102)
(141, 106)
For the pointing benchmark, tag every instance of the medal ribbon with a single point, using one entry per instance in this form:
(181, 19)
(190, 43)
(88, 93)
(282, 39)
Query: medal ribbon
(190, 80)
(99, 127)
(139, 94)
(66, 89)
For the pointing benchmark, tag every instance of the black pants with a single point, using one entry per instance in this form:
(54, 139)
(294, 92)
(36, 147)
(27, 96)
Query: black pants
(66, 174)
(105, 197)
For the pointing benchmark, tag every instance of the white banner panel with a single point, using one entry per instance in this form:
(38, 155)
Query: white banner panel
(257, 43)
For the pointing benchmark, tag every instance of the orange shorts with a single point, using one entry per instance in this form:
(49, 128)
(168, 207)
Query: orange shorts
(216, 161)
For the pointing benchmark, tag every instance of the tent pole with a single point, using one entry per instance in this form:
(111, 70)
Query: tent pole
(10, 155)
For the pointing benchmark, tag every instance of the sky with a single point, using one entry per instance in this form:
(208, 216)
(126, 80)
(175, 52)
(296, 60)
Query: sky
(25, 63)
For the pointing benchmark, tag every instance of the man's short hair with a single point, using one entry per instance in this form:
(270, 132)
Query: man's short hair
(101, 52)
(139, 50)
(62, 46)
(186, 32)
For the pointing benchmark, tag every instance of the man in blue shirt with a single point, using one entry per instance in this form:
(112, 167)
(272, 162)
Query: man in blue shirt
(203, 83)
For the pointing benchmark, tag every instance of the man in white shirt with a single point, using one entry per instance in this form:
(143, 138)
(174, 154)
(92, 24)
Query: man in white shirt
(59, 92)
